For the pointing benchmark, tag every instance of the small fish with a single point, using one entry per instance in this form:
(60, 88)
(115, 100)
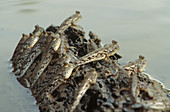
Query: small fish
(28, 45)
(25, 79)
(64, 25)
(19, 48)
(27, 49)
(52, 79)
(127, 69)
(46, 76)
(38, 31)
(35, 51)
(69, 21)
(46, 58)
(90, 78)
(98, 54)
(26, 40)
(138, 65)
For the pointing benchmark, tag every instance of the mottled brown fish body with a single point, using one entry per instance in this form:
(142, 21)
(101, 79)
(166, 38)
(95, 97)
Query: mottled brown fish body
(27, 46)
(41, 46)
(69, 21)
(98, 54)
(19, 48)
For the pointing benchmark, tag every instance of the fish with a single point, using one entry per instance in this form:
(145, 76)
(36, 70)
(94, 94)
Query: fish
(98, 54)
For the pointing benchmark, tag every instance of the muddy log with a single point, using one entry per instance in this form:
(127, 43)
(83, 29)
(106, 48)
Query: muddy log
(67, 72)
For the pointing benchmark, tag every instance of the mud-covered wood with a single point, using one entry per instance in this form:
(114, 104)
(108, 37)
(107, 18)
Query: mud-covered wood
(67, 72)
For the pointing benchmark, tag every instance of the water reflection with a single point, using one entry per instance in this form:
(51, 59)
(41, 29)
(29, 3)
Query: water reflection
(27, 10)
(26, 2)
(26, 6)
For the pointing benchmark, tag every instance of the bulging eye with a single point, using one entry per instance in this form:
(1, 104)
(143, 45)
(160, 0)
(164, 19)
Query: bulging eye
(114, 42)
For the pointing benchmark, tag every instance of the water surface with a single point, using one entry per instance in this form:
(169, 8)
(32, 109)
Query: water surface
(141, 28)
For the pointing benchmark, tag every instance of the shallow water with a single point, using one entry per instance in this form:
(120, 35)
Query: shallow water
(141, 28)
